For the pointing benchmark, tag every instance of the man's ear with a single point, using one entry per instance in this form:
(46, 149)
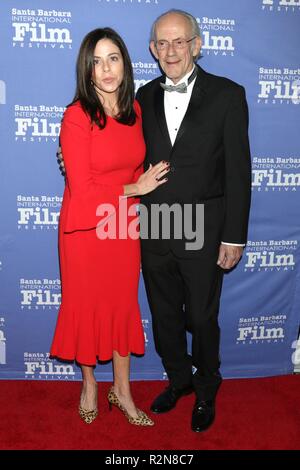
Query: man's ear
(197, 43)
(153, 49)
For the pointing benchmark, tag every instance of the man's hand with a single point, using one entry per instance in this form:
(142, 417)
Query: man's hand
(229, 256)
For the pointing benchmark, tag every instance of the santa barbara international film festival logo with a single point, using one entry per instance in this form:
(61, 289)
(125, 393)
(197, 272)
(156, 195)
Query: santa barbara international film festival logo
(38, 28)
(38, 212)
(2, 341)
(38, 365)
(278, 86)
(275, 174)
(216, 34)
(40, 294)
(144, 72)
(270, 255)
(37, 123)
(281, 5)
(263, 328)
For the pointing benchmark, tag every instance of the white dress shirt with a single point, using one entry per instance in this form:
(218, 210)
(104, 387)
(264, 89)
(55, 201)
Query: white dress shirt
(176, 105)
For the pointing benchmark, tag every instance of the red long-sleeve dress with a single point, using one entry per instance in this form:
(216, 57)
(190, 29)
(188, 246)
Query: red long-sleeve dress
(99, 312)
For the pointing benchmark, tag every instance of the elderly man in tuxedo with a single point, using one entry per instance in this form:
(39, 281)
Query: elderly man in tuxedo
(199, 123)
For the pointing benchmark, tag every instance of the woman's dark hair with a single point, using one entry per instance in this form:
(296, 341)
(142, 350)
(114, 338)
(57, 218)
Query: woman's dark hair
(85, 91)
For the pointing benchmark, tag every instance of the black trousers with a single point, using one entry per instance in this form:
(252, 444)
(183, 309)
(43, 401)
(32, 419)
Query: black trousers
(184, 295)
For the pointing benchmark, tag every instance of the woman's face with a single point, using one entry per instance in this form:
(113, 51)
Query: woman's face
(108, 70)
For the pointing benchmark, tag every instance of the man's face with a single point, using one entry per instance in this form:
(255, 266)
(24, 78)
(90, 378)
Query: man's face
(175, 62)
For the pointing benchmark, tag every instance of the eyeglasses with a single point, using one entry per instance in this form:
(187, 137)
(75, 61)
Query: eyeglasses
(179, 43)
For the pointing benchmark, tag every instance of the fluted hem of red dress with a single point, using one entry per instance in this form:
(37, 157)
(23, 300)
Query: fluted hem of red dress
(93, 337)
(98, 359)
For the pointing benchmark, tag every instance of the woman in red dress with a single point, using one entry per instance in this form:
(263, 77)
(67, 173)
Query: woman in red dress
(103, 149)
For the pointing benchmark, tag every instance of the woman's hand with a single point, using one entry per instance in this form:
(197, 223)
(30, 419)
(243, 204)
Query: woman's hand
(152, 178)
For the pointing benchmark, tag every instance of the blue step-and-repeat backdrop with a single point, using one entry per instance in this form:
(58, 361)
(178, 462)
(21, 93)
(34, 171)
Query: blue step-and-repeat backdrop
(253, 42)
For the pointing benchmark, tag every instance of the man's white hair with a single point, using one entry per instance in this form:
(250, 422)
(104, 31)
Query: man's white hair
(195, 30)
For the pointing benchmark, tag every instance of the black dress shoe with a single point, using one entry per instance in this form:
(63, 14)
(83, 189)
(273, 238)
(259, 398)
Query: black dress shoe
(167, 400)
(203, 415)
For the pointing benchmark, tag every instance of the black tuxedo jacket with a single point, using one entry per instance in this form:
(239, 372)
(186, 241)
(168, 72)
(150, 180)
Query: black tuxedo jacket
(209, 161)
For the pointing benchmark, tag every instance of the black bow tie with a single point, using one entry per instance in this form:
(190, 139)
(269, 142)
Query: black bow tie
(181, 87)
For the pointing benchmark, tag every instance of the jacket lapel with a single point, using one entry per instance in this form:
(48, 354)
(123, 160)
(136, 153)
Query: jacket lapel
(160, 114)
(198, 93)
